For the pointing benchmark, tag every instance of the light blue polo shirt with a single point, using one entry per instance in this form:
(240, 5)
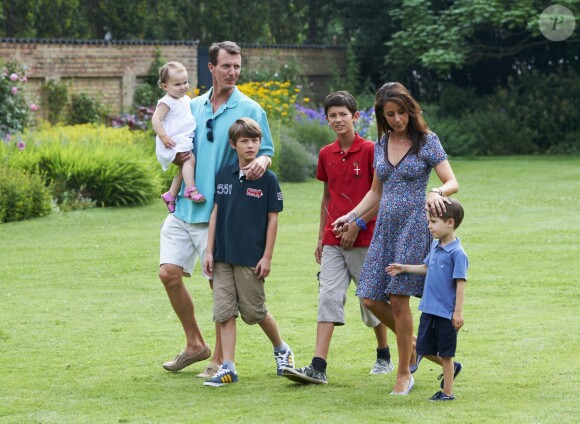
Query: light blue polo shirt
(210, 157)
(444, 265)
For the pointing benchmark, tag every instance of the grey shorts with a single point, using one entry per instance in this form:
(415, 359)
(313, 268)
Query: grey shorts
(182, 244)
(237, 289)
(338, 267)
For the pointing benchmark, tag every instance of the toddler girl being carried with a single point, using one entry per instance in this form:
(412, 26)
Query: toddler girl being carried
(174, 124)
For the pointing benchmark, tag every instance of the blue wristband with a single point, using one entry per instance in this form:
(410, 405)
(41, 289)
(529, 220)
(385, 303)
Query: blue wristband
(361, 224)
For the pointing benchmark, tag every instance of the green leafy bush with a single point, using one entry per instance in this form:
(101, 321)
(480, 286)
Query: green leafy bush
(56, 94)
(456, 100)
(484, 133)
(85, 109)
(312, 135)
(272, 67)
(88, 163)
(548, 104)
(535, 113)
(22, 195)
(296, 163)
(149, 93)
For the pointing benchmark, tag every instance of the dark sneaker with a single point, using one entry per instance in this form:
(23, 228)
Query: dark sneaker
(457, 370)
(304, 375)
(382, 366)
(284, 359)
(223, 376)
(442, 396)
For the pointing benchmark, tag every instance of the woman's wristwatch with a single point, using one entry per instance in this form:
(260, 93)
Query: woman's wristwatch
(437, 190)
(361, 224)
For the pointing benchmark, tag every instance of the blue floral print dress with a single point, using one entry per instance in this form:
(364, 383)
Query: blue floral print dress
(401, 234)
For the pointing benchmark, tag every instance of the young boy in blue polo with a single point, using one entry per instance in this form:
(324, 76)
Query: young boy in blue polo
(442, 301)
(241, 236)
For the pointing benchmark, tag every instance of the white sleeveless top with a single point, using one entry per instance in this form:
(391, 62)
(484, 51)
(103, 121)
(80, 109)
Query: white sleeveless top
(179, 124)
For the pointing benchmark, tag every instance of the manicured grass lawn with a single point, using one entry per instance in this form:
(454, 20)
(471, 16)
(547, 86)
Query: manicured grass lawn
(85, 322)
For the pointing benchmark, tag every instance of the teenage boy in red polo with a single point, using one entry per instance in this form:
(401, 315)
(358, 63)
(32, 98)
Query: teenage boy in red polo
(346, 168)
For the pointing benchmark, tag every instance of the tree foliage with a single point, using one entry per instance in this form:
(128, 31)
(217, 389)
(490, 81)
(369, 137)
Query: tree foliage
(425, 44)
(481, 42)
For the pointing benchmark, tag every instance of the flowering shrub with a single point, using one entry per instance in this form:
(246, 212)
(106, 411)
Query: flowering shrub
(277, 98)
(305, 114)
(364, 125)
(14, 111)
(137, 121)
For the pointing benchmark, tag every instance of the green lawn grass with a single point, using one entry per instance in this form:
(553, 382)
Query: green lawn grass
(85, 322)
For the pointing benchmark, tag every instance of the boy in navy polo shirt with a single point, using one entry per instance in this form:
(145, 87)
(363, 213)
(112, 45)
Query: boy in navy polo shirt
(442, 301)
(241, 237)
(346, 169)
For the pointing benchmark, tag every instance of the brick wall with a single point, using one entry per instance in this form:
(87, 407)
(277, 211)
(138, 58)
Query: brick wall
(111, 70)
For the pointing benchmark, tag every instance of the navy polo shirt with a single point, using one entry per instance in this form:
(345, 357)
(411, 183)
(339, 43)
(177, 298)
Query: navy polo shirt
(242, 215)
(444, 265)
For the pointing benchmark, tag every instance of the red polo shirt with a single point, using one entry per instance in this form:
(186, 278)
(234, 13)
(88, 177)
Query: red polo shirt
(349, 176)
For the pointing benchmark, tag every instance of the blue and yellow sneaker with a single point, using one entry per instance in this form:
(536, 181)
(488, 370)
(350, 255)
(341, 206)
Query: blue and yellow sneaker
(284, 359)
(223, 376)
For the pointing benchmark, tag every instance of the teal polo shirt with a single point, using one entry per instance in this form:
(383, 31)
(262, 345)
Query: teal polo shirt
(210, 156)
(242, 215)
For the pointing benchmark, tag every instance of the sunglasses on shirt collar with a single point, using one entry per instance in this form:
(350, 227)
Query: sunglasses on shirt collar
(209, 125)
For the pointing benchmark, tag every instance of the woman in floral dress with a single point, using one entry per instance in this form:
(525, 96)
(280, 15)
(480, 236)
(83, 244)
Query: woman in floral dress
(404, 157)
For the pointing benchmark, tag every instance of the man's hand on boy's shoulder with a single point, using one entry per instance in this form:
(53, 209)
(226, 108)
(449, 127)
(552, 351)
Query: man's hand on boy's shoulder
(348, 237)
(256, 168)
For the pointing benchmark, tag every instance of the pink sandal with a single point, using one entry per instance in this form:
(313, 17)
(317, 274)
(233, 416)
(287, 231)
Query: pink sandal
(197, 198)
(169, 201)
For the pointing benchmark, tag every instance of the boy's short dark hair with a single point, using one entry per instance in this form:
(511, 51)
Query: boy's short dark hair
(340, 98)
(453, 210)
(244, 127)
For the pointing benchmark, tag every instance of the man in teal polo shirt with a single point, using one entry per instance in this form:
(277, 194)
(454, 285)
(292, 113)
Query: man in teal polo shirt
(184, 233)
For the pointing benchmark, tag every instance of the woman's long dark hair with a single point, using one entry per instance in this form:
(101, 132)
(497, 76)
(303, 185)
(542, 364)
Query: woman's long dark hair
(417, 127)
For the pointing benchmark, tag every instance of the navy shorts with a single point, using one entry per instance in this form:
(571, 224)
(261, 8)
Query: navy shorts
(436, 336)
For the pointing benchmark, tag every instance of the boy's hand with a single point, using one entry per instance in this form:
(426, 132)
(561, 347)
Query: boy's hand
(457, 320)
(394, 269)
(348, 237)
(168, 142)
(339, 225)
(262, 270)
(318, 252)
(208, 264)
